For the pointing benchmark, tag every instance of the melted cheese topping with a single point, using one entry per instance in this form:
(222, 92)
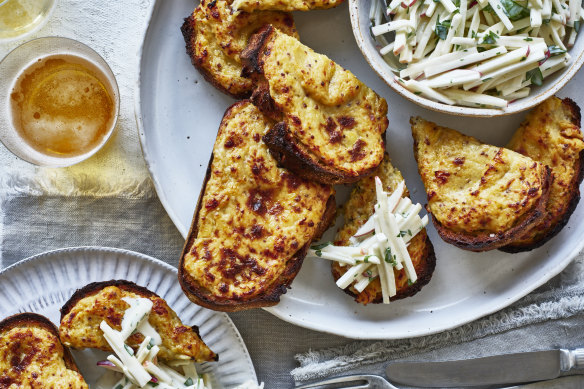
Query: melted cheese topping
(80, 327)
(33, 357)
(473, 187)
(550, 136)
(284, 5)
(254, 216)
(221, 36)
(338, 118)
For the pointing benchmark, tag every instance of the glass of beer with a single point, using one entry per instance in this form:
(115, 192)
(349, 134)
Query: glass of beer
(59, 102)
(20, 17)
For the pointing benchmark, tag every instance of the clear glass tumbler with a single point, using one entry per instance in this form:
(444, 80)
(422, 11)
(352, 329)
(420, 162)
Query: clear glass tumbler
(20, 17)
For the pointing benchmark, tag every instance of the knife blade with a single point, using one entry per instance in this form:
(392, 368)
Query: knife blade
(499, 369)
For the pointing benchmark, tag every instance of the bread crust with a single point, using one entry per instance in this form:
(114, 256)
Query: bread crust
(295, 156)
(284, 145)
(201, 296)
(485, 242)
(29, 319)
(572, 199)
(214, 37)
(189, 35)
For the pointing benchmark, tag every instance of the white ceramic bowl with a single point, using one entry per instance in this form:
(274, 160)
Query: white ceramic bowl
(359, 11)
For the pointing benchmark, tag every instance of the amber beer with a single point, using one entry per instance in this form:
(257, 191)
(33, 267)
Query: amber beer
(62, 106)
(18, 17)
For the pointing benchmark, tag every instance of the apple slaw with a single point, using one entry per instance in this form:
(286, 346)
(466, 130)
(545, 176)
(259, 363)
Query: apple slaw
(379, 247)
(477, 53)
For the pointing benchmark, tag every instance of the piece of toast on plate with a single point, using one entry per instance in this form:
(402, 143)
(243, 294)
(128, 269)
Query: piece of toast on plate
(551, 135)
(89, 306)
(481, 197)
(331, 126)
(283, 5)
(254, 220)
(215, 37)
(357, 210)
(32, 356)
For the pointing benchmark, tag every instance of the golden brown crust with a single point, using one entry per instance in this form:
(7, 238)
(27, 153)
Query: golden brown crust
(491, 241)
(551, 134)
(295, 156)
(70, 320)
(345, 119)
(269, 295)
(481, 197)
(238, 91)
(19, 375)
(214, 37)
(357, 210)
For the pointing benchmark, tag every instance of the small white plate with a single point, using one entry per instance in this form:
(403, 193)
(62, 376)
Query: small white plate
(179, 113)
(44, 282)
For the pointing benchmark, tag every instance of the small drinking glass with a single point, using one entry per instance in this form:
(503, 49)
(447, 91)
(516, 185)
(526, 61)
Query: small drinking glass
(22, 17)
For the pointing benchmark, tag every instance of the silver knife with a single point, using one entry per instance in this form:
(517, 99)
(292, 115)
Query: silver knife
(498, 369)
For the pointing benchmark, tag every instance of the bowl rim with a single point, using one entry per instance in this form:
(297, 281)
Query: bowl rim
(383, 71)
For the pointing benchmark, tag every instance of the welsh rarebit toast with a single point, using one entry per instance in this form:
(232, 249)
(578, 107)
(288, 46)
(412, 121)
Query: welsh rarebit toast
(283, 5)
(551, 135)
(254, 220)
(215, 37)
(330, 126)
(481, 197)
(103, 301)
(32, 356)
(357, 210)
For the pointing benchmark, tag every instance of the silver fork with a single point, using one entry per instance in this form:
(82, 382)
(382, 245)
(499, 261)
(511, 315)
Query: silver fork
(364, 381)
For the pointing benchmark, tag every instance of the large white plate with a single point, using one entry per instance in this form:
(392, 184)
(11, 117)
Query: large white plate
(179, 113)
(43, 283)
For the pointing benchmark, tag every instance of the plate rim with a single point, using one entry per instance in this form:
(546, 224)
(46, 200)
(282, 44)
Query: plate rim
(46, 255)
(141, 129)
(277, 310)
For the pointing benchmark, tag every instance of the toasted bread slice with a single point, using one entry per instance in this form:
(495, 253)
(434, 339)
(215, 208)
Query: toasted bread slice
(284, 5)
(253, 223)
(89, 306)
(551, 135)
(481, 197)
(215, 37)
(331, 126)
(32, 356)
(357, 210)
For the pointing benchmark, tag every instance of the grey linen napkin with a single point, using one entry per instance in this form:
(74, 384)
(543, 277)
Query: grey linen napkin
(550, 317)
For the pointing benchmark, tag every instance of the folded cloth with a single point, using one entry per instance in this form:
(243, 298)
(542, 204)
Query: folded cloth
(551, 317)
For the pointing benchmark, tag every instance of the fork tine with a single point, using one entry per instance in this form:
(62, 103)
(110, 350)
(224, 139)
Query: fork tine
(362, 382)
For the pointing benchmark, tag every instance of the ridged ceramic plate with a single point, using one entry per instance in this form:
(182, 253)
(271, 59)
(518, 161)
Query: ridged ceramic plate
(43, 283)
